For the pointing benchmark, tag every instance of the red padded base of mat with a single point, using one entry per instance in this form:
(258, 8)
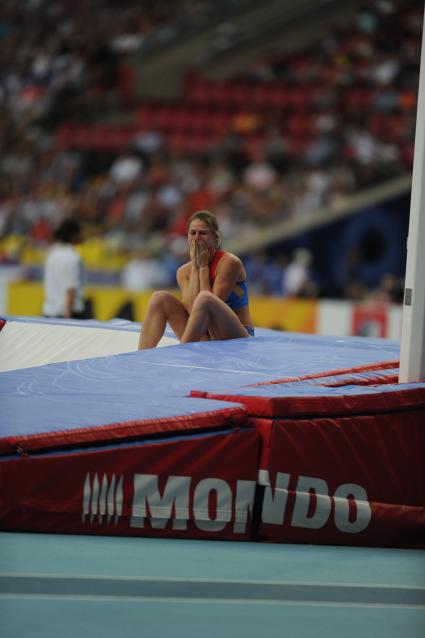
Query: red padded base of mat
(355, 480)
(293, 402)
(196, 487)
(127, 430)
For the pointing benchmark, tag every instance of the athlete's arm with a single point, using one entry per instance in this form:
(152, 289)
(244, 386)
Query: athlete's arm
(229, 272)
(188, 279)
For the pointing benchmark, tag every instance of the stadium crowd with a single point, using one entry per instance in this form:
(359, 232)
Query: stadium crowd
(362, 126)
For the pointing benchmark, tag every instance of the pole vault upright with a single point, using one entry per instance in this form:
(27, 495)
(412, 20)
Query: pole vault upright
(412, 354)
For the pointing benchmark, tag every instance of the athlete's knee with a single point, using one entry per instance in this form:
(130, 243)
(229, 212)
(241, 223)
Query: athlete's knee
(159, 299)
(204, 299)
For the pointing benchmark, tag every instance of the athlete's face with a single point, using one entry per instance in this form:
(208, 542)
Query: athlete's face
(199, 231)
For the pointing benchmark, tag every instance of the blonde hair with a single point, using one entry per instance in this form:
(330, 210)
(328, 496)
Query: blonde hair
(210, 219)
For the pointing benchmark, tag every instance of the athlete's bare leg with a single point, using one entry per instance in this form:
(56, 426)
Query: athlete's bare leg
(163, 307)
(210, 314)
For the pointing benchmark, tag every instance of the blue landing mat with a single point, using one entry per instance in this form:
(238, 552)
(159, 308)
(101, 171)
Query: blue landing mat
(26, 415)
(176, 370)
(152, 384)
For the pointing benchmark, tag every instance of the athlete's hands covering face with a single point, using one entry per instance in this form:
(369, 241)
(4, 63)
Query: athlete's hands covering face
(199, 252)
(202, 244)
(192, 251)
(202, 253)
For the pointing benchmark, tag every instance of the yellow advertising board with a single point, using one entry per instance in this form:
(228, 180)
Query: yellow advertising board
(293, 315)
(25, 299)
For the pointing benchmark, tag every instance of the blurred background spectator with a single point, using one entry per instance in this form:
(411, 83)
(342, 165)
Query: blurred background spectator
(297, 279)
(144, 271)
(283, 141)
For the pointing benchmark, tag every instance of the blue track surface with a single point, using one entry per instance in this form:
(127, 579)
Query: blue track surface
(88, 586)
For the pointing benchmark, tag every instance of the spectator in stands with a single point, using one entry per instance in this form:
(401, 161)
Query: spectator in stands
(390, 289)
(144, 272)
(259, 175)
(126, 168)
(297, 279)
(213, 286)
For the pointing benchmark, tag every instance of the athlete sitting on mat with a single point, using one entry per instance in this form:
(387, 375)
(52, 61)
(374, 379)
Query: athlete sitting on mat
(214, 295)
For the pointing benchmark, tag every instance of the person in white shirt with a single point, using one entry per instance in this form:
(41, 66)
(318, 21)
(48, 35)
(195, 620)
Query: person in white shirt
(143, 272)
(64, 274)
(296, 280)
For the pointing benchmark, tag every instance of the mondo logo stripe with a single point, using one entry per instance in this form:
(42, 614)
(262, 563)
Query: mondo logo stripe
(102, 499)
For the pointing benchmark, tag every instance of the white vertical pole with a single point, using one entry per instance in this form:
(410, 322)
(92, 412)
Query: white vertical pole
(412, 355)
